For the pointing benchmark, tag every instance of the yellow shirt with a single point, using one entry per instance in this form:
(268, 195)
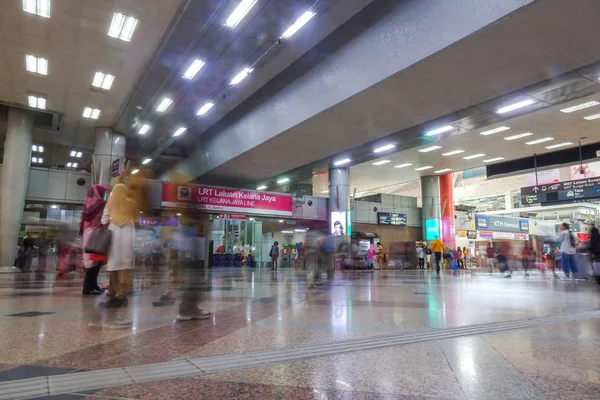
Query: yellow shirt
(437, 246)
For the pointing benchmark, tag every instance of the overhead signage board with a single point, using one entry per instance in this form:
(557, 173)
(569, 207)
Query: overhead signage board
(562, 191)
(503, 235)
(384, 218)
(226, 200)
(501, 224)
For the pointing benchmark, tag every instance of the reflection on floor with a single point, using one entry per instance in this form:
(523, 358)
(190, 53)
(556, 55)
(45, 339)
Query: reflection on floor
(64, 332)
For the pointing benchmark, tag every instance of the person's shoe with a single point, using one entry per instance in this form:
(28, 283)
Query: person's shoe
(190, 314)
(114, 303)
(526, 276)
(556, 276)
(566, 278)
(202, 312)
(92, 292)
(508, 276)
(164, 301)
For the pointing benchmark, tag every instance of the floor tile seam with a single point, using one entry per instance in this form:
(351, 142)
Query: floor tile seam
(462, 390)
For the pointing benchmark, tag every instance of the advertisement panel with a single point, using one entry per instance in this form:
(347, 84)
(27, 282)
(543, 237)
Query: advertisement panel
(546, 177)
(340, 223)
(501, 224)
(432, 229)
(503, 235)
(225, 200)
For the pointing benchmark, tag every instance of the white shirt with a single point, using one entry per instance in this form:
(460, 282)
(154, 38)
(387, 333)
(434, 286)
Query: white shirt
(564, 237)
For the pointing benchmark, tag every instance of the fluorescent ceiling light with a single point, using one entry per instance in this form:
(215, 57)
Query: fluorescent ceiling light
(495, 130)
(164, 104)
(240, 12)
(103, 80)
(37, 65)
(73, 153)
(493, 159)
(384, 148)
(591, 117)
(381, 162)
(122, 26)
(205, 108)
(92, 113)
(556, 146)
(439, 130)
(79, 154)
(284, 180)
(403, 165)
(144, 129)
(39, 7)
(241, 76)
(54, 206)
(441, 171)
(478, 155)
(428, 149)
(519, 136)
(135, 171)
(580, 107)
(75, 165)
(261, 187)
(193, 69)
(300, 22)
(342, 162)
(69, 165)
(146, 161)
(179, 131)
(41, 149)
(36, 102)
(423, 168)
(451, 153)
(34, 160)
(287, 231)
(542, 140)
(515, 106)
(299, 230)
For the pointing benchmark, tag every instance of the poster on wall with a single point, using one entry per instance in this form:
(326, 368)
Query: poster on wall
(432, 229)
(590, 170)
(546, 177)
(226, 200)
(340, 223)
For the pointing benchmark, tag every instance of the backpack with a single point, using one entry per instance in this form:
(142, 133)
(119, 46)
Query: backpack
(573, 239)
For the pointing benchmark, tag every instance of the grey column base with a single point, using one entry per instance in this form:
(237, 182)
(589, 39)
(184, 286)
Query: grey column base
(9, 270)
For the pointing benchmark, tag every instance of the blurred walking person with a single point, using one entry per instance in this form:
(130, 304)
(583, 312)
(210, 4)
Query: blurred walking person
(438, 248)
(568, 244)
(274, 253)
(428, 253)
(119, 213)
(91, 219)
(421, 257)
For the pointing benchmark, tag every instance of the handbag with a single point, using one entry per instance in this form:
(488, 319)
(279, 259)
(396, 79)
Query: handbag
(99, 242)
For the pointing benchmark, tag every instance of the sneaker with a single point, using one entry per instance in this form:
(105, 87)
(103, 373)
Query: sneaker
(508, 276)
(566, 278)
(202, 312)
(114, 303)
(164, 301)
(190, 313)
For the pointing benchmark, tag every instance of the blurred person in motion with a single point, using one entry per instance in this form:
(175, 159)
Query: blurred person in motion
(568, 245)
(503, 255)
(490, 253)
(43, 245)
(176, 253)
(459, 258)
(438, 248)
(274, 253)
(428, 253)
(526, 255)
(63, 251)
(371, 253)
(91, 219)
(379, 256)
(157, 253)
(311, 255)
(421, 256)
(466, 257)
(595, 243)
(119, 213)
(557, 262)
(29, 252)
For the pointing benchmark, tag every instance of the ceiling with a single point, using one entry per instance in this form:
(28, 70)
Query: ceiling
(74, 40)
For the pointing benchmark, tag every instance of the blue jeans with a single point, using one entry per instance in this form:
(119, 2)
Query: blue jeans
(569, 264)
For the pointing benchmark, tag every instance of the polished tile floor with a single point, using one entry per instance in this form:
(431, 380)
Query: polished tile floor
(48, 328)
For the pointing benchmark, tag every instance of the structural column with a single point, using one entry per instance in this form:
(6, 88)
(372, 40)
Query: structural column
(339, 200)
(15, 177)
(430, 210)
(108, 148)
(447, 210)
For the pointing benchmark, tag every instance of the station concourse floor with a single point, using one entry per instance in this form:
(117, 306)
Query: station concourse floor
(525, 338)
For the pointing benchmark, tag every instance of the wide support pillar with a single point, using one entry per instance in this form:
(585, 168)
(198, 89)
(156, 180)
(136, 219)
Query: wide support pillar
(340, 220)
(108, 147)
(447, 210)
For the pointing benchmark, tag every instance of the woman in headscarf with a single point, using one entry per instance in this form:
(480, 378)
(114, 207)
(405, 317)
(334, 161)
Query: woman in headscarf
(90, 220)
(120, 211)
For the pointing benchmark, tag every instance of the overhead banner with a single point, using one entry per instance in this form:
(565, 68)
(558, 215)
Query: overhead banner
(385, 218)
(546, 177)
(570, 190)
(225, 200)
(501, 224)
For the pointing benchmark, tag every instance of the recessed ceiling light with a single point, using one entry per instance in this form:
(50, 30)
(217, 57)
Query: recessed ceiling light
(382, 162)
(478, 155)
(34, 147)
(519, 136)
(122, 26)
(79, 154)
(92, 113)
(240, 12)
(241, 76)
(384, 148)
(135, 171)
(542, 140)
(428, 149)
(495, 130)
(451, 153)
(36, 102)
(493, 159)
(261, 187)
(37, 65)
(144, 129)
(34, 160)
(164, 104)
(193, 69)
(342, 162)
(284, 180)
(441, 171)
(556, 146)
(591, 117)
(280, 221)
(439, 130)
(73, 153)
(204, 109)
(69, 165)
(300, 22)
(423, 168)
(403, 165)
(580, 107)
(515, 106)
(75, 165)
(103, 80)
(146, 161)
(179, 131)
(39, 7)
(54, 206)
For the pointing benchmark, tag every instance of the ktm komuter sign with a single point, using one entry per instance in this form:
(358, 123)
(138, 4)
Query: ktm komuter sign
(561, 191)
(225, 200)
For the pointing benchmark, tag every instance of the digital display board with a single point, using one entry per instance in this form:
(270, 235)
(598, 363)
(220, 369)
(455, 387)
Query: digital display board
(384, 218)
